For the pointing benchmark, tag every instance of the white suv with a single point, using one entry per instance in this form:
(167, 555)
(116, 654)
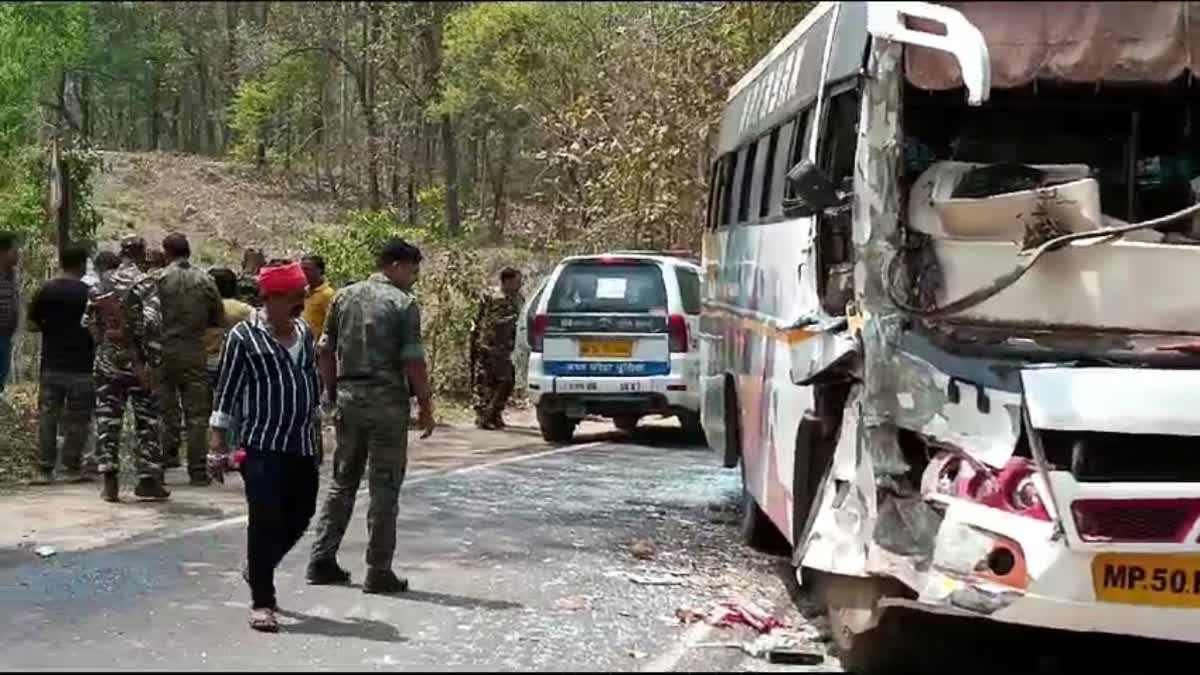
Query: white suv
(615, 335)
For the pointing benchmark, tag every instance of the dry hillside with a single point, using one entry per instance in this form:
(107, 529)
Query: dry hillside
(221, 206)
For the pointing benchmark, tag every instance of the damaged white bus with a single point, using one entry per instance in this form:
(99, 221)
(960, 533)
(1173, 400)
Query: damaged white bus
(948, 332)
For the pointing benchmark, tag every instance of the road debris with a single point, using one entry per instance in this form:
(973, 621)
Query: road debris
(777, 647)
(728, 613)
(651, 580)
(635, 654)
(44, 551)
(642, 550)
(571, 603)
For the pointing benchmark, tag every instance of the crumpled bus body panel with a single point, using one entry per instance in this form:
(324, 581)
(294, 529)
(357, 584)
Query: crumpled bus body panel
(1030, 459)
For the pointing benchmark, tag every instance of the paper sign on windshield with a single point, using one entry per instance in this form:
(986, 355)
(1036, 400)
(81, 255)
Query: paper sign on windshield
(612, 288)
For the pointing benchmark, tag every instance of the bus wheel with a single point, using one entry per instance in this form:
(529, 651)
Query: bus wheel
(556, 426)
(850, 606)
(733, 429)
(758, 532)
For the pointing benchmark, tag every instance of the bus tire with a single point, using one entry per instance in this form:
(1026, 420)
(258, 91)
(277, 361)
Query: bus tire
(733, 427)
(850, 603)
(757, 530)
(556, 427)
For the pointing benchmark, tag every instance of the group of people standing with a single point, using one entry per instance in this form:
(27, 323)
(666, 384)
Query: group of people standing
(250, 362)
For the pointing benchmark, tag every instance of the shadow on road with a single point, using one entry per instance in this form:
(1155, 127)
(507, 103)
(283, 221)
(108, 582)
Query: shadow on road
(366, 629)
(651, 436)
(458, 601)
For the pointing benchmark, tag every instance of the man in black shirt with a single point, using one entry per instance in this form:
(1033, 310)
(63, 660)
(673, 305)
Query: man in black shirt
(66, 393)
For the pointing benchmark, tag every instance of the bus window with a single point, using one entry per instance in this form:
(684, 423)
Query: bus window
(779, 173)
(835, 253)
(718, 193)
(726, 196)
(746, 181)
(799, 149)
(689, 289)
(768, 174)
(836, 146)
(736, 194)
(761, 169)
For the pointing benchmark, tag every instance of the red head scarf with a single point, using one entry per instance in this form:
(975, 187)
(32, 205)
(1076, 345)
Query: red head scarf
(282, 279)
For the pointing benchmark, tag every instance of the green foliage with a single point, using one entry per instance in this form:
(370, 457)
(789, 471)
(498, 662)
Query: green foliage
(268, 105)
(39, 41)
(451, 278)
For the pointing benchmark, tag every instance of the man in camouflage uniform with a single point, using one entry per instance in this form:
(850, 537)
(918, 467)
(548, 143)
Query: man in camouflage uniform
(125, 323)
(252, 261)
(372, 361)
(191, 305)
(493, 339)
(156, 263)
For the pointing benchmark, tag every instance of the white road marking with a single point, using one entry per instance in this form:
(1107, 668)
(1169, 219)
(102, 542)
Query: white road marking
(418, 477)
(667, 661)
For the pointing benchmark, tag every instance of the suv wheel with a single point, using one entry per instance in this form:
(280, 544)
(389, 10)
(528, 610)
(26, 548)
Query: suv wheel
(556, 426)
(626, 423)
(690, 421)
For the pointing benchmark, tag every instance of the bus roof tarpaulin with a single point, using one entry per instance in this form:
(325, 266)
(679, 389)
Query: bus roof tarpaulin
(1085, 42)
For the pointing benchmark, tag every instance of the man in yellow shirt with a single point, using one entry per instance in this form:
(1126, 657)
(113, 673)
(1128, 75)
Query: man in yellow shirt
(236, 312)
(320, 294)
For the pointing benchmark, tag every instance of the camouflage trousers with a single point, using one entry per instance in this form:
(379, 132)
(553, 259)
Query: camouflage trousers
(371, 436)
(186, 399)
(494, 381)
(65, 403)
(113, 390)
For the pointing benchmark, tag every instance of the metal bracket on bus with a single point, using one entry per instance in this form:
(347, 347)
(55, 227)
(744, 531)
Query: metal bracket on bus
(886, 21)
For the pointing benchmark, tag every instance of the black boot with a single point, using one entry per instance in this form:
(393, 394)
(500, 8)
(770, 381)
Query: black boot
(384, 582)
(110, 492)
(151, 488)
(326, 573)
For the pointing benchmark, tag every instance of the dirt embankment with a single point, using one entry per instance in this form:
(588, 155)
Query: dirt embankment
(221, 206)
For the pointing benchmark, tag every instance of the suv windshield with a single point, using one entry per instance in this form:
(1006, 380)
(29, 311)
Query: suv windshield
(627, 287)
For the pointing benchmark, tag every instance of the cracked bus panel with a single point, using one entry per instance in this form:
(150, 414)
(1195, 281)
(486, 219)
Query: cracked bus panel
(947, 332)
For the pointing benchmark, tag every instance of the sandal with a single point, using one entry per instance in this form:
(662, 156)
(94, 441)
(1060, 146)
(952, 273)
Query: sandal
(264, 620)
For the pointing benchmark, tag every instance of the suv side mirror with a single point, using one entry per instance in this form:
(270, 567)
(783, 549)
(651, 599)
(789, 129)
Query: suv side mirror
(814, 190)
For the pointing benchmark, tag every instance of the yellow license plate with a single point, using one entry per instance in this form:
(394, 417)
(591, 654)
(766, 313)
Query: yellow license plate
(606, 349)
(1159, 580)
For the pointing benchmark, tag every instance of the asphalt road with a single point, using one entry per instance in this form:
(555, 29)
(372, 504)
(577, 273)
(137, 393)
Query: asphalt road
(520, 559)
(518, 563)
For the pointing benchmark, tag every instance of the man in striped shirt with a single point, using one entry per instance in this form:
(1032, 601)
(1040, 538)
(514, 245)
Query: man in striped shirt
(269, 377)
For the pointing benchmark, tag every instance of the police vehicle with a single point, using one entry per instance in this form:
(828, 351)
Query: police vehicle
(615, 335)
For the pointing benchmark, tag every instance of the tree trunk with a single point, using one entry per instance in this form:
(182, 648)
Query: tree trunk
(508, 147)
(230, 74)
(414, 215)
(450, 161)
(85, 106)
(206, 123)
(152, 103)
(371, 33)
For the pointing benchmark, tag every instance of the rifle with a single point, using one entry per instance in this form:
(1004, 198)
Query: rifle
(473, 348)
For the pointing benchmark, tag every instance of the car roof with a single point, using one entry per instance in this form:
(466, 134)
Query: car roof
(635, 255)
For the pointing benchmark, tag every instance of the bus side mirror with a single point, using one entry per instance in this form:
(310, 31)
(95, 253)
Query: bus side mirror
(813, 191)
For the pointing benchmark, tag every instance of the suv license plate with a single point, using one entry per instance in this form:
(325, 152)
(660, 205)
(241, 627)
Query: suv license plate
(606, 349)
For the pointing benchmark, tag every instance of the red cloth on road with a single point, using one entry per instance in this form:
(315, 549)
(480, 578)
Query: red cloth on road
(282, 279)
